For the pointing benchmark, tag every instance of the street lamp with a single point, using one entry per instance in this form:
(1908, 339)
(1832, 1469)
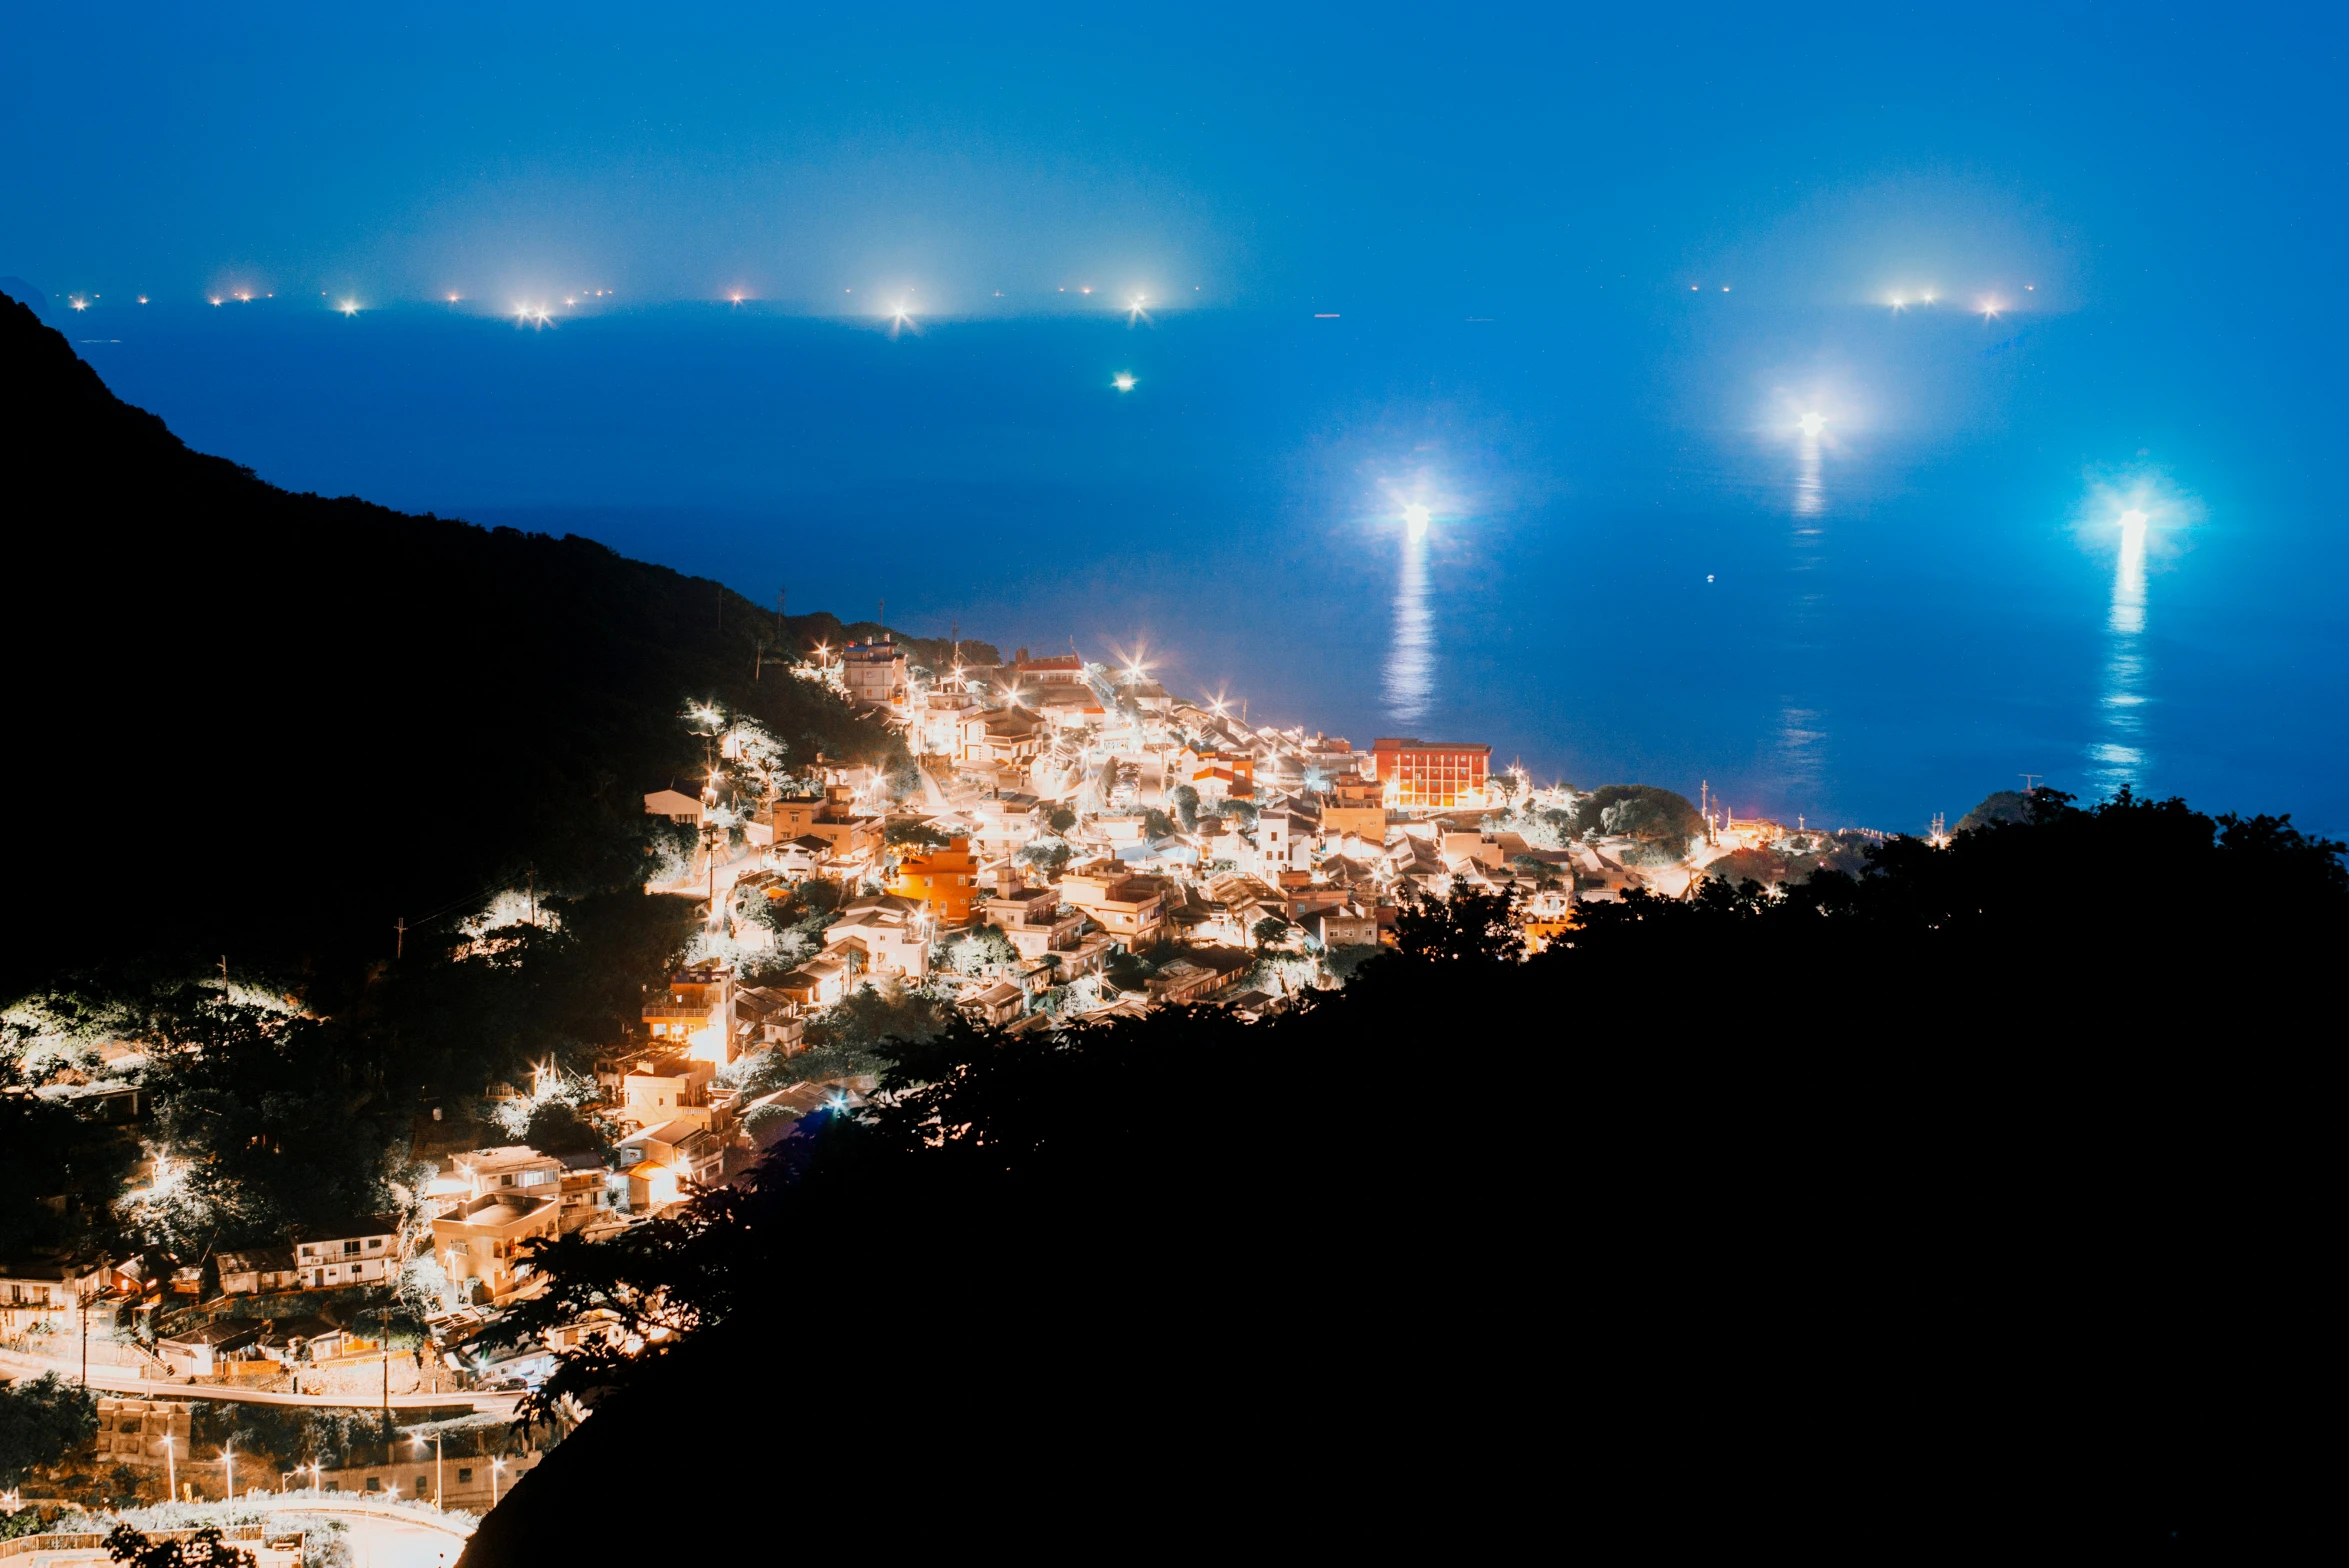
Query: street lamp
(170, 1462)
(497, 1467)
(228, 1473)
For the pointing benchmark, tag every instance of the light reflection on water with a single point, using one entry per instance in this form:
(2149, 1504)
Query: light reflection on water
(1410, 671)
(1802, 735)
(2117, 757)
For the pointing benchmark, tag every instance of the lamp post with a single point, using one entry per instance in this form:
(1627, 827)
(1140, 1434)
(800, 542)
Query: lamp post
(170, 1460)
(228, 1473)
(315, 1483)
(497, 1467)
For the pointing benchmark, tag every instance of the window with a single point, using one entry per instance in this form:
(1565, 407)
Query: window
(506, 1181)
(350, 1248)
(464, 1475)
(334, 1486)
(374, 1243)
(375, 1483)
(423, 1486)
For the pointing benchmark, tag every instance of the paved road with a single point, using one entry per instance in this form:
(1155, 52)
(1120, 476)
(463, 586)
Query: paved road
(385, 1541)
(116, 1381)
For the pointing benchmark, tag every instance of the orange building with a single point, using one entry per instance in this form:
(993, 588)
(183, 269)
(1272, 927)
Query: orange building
(1429, 774)
(947, 880)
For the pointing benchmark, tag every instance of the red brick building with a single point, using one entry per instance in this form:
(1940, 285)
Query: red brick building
(1430, 774)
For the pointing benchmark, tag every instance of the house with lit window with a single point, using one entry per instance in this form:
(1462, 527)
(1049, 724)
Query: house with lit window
(514, 1167)
(354, 1252)
(661, 1161)
(483, 1240)
(874, 673)
(1005, 736)
(1035, 919)
(38, 1290)
(670, 1088)
(1131, 909)
(945, 881)
(694, 1013)
(833, 817)
(1424, 775)
(892, 933)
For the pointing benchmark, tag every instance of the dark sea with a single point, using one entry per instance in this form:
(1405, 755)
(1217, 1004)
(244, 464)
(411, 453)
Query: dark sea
(1840, 563)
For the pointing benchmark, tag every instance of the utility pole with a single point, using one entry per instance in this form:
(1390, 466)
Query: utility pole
(880, 617)
(2029, 786)
(224, 977)
(85, 1341)
(400, 937)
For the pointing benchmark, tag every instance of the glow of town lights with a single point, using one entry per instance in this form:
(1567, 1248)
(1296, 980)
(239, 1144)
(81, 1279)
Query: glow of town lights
(1124, 381)
(349, 307)
(142, 299)
(1813, 423)
(78, 303)
(1990, 310)
(1418, 517)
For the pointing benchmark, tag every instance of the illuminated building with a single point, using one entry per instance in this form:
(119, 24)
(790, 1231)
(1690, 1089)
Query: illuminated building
(875, 673)
(1130, 908)
(833, 819)
(483, 1240)
(695, 1014)
(1430, 775)
(1358, 806)
(946, 880)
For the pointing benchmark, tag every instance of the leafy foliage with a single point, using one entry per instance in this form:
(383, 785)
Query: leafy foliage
(204, 1548)
(42, 1421)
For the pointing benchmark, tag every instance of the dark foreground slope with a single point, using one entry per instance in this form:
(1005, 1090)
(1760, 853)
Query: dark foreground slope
(244, 720)
(1972, 1203)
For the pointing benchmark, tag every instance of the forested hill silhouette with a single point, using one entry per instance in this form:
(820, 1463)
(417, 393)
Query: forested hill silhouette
(248, 721)
(1971, 1199)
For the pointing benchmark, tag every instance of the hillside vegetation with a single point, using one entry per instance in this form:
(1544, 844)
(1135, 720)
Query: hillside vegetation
(252, 722)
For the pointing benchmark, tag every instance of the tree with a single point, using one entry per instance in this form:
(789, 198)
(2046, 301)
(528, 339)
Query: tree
(1655, 817)
(203, 1548)
(1155, 823)
(1186, 801)
(1061, 819)
(907, 831)
(1269, 931)
(557, 1128)
(42, 1421)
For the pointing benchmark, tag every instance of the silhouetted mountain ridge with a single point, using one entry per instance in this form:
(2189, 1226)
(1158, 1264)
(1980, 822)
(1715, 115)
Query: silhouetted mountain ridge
(271, 723)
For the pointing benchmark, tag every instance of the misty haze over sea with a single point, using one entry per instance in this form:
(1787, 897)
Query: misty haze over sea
(1639, 564)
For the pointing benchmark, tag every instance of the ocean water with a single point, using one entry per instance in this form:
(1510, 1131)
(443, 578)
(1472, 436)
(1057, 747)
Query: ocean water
(1638, 562)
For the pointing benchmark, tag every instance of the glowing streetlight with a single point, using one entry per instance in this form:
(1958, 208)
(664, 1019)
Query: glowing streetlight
(2133, 521)
(1813, 424)
(1417, 516)
(1990, 310)
(349, 307)
(497, 1468)
(170, 1463)
(1123, 381)
(228, 1474)
(438, 1490)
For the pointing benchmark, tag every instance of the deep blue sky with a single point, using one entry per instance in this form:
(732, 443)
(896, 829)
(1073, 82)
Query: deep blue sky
(1524, 223)
(1494, 157)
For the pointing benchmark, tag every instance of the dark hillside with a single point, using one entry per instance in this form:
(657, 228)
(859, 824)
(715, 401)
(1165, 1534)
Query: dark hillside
(251, 721)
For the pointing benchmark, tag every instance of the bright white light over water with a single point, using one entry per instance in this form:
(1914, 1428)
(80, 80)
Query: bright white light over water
(1813, 423)
(1418, 517)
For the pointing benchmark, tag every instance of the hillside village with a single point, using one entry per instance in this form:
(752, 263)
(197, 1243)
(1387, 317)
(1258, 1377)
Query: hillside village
(1061, 842)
